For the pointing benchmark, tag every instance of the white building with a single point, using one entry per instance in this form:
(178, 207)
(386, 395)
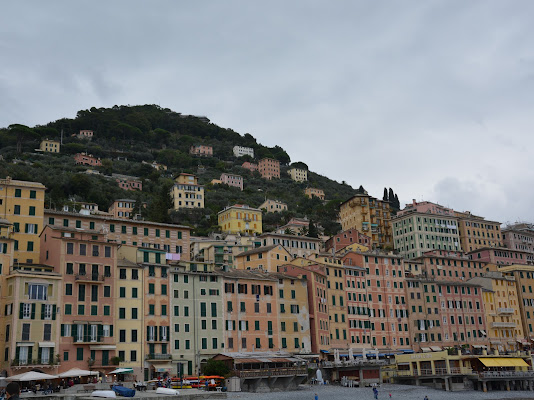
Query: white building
(240, 151)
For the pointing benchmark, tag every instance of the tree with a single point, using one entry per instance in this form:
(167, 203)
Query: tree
(312, 231)
(385, 197)
(289, 231)
(391, 195)
(23, 133)
(216, 367)
(397, 202)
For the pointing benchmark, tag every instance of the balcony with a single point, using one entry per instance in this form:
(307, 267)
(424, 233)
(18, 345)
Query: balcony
(94, 278)
(262, 373)
(505, 310)
(34, 363)
(158, 357)
(88, 339)
(503, 324)
(506, 374)
(436, 371)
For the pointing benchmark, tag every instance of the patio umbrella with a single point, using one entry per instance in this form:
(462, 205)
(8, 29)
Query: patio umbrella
(71, 373)
(30, 376)
(122, 371)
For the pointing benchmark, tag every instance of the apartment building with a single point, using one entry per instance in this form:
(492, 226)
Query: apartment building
(298, 174)
(240, 218)
(477, 232)
(87, 263)
(85, 134)
(267, 258)
(50, 146)
(201, 150)
(519, 236)
(172, 239)
(347, 238)
(250, 166)
(240, 151)
(127, 182)
(187, 192)
(524, 279)
(297, 246)
(122, 208)
(314, 192)
(232, 180)
(87, 159)
(273, 206)
(220, 250)
(501, 256)
(197, 318)
(269, 168)
(370, 216)
(295, 226)
(22, 205)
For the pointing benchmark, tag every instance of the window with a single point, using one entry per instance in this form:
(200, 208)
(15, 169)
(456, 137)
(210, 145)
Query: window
(16, 211)
(79, 354)
(18, 193)
(38, 292)
(26, 332)
(32, 210)
(107, 291)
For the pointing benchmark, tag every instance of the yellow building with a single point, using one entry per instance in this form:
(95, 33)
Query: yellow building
(241, 218)
(524, 278)
(273, 206)
(370, 216)
(51, 146)
(22, 204)
(353, 247)
(187, 193)
(298, 174)
(314, 192)
(501, 305)
(477, 233)
(129, 291)
(267, 258)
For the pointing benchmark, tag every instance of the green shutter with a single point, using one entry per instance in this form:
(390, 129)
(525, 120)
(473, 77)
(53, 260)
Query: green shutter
(33, 311)
(42, 311)
(100, 332)
(73, 330)
(85, 332)
(30, 351)
(111, 330)
(54, 312)
(17, 353)
(21, 311)
(39, 354)
(62, 330)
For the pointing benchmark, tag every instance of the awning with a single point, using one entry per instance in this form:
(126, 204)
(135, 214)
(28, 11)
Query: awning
(103, 347)
(25, 344)
(47, 344)
(407, 351)
(122, 371)
(435, 348)
(325, 351)
(503, 362)
(479, 346)
(483, 333)
(426, 349)
(164, 369)
(403, 363)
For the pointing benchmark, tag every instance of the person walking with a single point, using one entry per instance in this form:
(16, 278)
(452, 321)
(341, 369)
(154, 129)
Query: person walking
(375, 392)
(426, 398)
(13, 391)
(316, 397)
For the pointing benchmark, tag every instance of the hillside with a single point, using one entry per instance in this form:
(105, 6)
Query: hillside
(124, 136)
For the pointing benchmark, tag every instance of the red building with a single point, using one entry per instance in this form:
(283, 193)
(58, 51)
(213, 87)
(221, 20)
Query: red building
(346, 238)
(201, 150)
(87, 159)
(502, 256)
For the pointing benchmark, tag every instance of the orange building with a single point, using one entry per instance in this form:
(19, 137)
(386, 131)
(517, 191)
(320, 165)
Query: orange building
(269, 168)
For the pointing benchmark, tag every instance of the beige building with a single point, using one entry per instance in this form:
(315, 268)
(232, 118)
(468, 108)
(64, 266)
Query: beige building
(22, 204)
(273, 206)
(524, 279)
(476, 232)
(122, 208)
(187, 192)
(267, 258)
(314, 192)
(298, 174)
(297, 246)
(50, 146)
(370, 216)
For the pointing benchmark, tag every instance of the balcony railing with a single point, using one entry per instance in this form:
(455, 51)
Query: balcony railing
(88, 339)
(259, 373)
(505, 310)
(503, 324)
(90, 277)
(436, 371)
(506, 374)
(34, 363)
(154, 356)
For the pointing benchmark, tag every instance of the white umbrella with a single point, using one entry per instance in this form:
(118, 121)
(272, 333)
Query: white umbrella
(76, 372)
(30, 376)
(351, 355)
(122, 371)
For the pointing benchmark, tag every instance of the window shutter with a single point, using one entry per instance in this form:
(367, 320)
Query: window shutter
(33, 311)
(21, 311)
(17, 353)
(148, 333)
(100, 333)
(30, 351)
(74, 330)
(85, 332)
(62, 330)
(111, 330)
(54, 312)
(39, 354)
(43, 311)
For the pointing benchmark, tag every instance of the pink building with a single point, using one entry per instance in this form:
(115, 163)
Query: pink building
(250, 166)
(346, 238)
(201, 150)
(87, 159)
(269, 168)
(128, 182)
(87, 263)
(232, 180)
(502, 256)
(85, 134)
(426, 207)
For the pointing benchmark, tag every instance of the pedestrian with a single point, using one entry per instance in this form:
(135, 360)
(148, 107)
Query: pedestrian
(316, 397)
(390, 395)
(426, 397)
(12, 391)
(375, 392)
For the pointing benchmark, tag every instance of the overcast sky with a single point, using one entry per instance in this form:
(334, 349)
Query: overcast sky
(432, 98)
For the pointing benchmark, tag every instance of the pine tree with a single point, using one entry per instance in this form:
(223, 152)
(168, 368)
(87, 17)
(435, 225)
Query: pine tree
(397, 202)
(385, 198)
(391, 195)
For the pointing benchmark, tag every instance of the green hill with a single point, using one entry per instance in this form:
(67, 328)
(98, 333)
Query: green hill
(124, 136)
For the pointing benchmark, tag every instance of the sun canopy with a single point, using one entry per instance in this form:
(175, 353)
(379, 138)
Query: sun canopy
(71, 373)
(503, 362)
(30, 376)
(122, 371)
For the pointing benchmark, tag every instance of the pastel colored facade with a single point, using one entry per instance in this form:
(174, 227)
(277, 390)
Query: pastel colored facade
(87, 159)
(128, 182)
(85, 134)
(269, 168)
(130, 328)
(315, 278)
(30, 324)
(241, 218)
(122, 208)
(370, 216)
(295, 226)
(22, 205)
(232, 180)
(501, 256)
(50, 146)
(298, 174)
(187, 192)
(172, 239)
(197, 319)
(267, 258)
(262, 312)
(7, 246)
(240, 151)
(476, 232)
(250, 166)
(346, 238)
(426, 207)
(503, 315)
(313, 192)
(415, 233)
(216, 182)
(519, 236)
(273, 206)
(524, 279)
(376, 296)
(201, 150)
(297, 246)
(221, 251)
(87, 263)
